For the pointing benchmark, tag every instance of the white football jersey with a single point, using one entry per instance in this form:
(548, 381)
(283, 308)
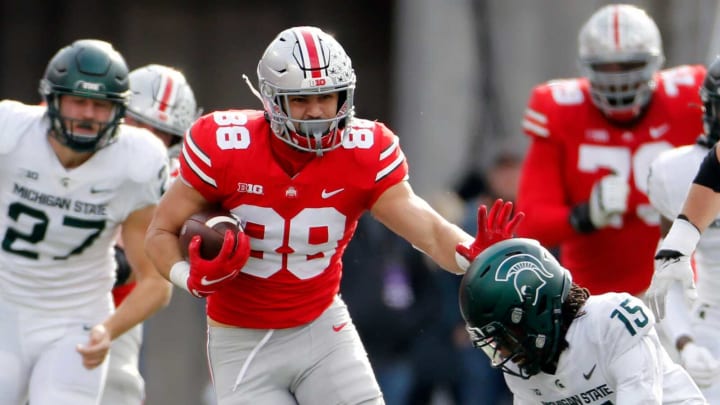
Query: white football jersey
(58, 225)
(614, 357)
(671, 176)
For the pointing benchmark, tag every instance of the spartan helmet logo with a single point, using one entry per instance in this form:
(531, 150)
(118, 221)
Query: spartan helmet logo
(527, 274)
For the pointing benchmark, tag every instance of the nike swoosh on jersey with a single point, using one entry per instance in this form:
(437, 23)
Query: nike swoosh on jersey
(590, 373)
(204, 281)
(657, 132)
(328, 194)
(338, 328)
(94, 190)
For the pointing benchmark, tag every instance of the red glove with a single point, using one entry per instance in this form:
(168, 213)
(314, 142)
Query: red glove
(495, 227)
(207, 276)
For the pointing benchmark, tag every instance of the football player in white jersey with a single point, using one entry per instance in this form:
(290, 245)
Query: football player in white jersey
(162, 102)
(695, 332)
(556, 343)
(299, 174)
(70, 175)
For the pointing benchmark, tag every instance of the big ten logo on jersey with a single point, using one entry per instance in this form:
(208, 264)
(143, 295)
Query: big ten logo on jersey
(359, 135)
(231, 132)
(250, 188)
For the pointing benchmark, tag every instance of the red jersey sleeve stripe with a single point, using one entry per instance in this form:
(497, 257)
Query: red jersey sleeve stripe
(195, 166)
(389, 168)
(390, 149)
(536, 123)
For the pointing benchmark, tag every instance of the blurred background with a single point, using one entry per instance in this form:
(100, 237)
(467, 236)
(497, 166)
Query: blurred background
(450, 77)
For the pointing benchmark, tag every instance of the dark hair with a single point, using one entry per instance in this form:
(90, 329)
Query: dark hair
(571, 310)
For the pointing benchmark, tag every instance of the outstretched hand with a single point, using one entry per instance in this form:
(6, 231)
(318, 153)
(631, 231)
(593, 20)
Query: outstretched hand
(497, 225)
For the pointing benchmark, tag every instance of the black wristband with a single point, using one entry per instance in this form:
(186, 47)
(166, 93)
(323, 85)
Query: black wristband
(708, 174)
(580, 218)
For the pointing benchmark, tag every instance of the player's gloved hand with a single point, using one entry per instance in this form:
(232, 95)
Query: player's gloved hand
(494, 227)
(702, 366)
(672, 265)
(608, 200)
(203, 277)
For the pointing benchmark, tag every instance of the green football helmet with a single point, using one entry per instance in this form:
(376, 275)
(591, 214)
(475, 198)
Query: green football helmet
(86, 68)
(511, 298)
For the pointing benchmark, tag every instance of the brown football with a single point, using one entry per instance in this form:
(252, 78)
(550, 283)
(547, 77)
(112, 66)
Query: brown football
(211, 226)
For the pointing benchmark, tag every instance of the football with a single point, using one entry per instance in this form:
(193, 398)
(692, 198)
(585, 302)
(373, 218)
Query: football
(211, 226)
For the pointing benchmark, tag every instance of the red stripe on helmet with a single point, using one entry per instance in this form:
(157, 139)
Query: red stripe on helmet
(167, 92)
(312, 52)
(616, 26)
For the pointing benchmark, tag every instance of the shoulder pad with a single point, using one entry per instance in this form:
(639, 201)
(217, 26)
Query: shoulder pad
(548, 100)
(619, 321)
(682, 81)
(671, 175)
(15, 119)
(146, 154)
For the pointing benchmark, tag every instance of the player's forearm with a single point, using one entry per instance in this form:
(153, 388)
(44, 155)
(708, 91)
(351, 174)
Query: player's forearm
(701, 206)
(163, 250)
(443, 253)
(149, 295)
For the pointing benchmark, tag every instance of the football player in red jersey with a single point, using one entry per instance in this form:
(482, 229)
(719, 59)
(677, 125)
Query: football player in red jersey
(584, 181)
(299, 175)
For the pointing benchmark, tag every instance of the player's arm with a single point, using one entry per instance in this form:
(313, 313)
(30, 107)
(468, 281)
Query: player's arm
(541, 195)
(151, 292)
(161, 243)
(411, 217)
(672, 262)
(638, 372)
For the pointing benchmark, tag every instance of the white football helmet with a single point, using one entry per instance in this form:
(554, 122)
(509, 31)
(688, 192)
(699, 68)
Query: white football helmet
(162, 98)
(306, 61)
(620, 50)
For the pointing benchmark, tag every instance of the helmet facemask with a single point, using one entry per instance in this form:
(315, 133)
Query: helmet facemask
(516, 341)
(621, 90)
(304, 61)
(64, 128)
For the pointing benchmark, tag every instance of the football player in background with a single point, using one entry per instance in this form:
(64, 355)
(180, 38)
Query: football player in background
(162, 102)
(71, 176)
(556, 343)
(694, 332)
(584, 181)
(299, 175)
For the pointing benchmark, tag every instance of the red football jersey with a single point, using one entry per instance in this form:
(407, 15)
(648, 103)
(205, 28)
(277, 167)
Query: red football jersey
(573, 146)
(298, 226)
